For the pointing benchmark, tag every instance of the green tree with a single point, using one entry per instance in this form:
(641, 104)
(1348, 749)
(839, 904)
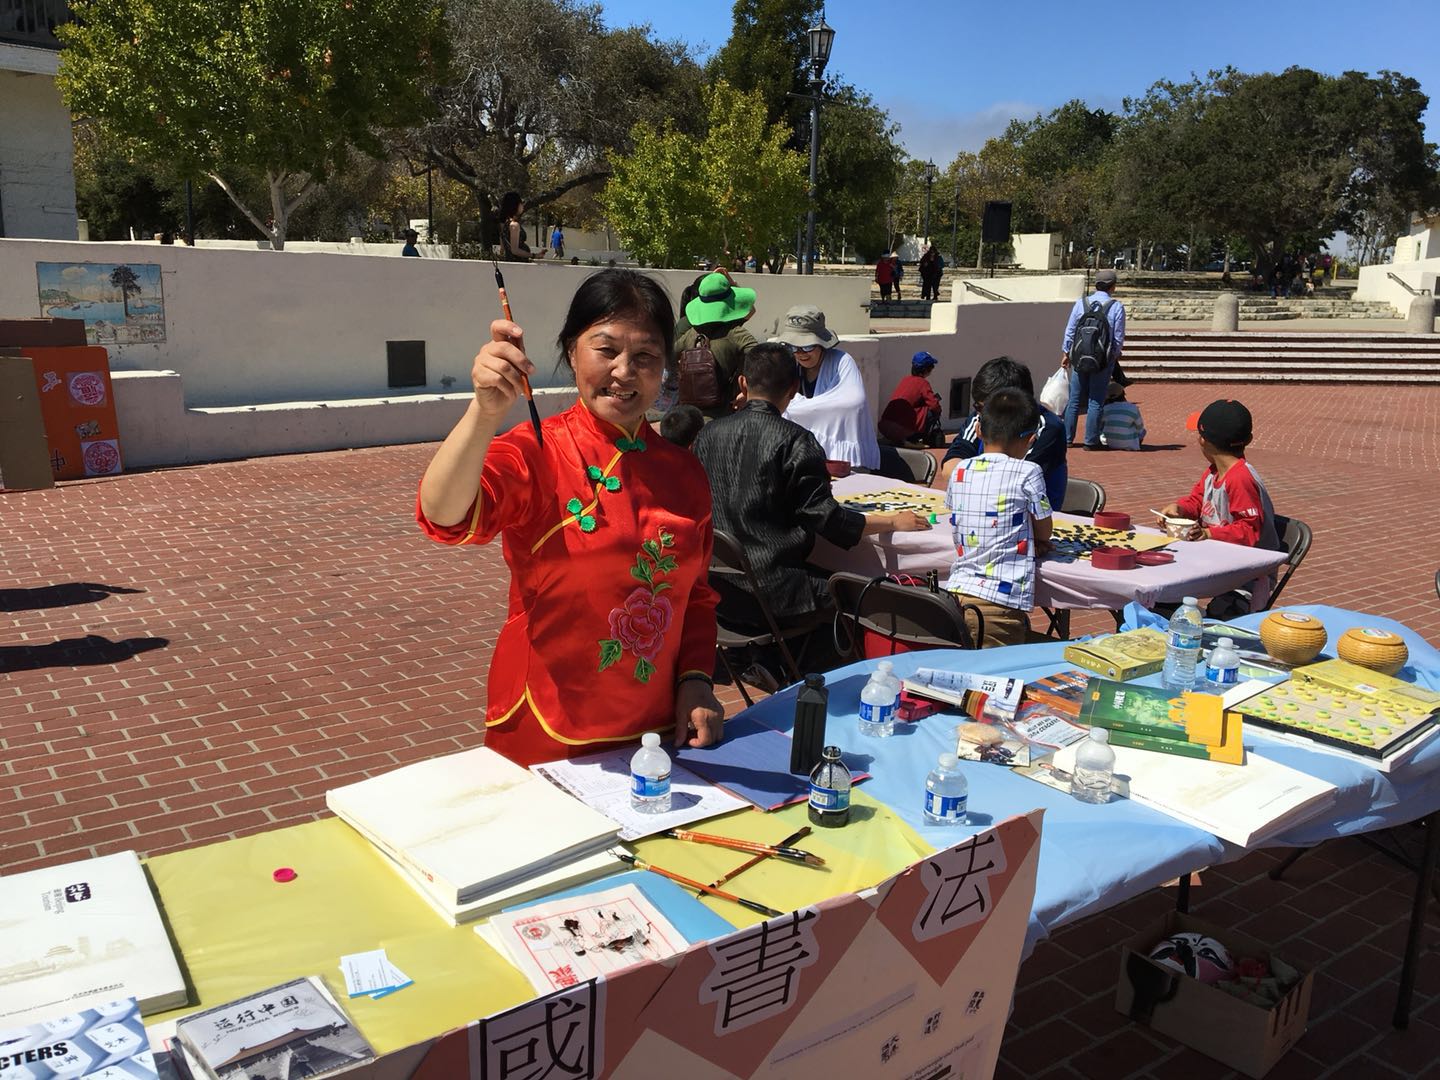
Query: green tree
(768, 52)
(540, 95)
(281, 88)
(857, 171)
(124, 279)
(735, 191)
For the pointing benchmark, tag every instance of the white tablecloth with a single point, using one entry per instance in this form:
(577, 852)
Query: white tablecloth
(1201, 568)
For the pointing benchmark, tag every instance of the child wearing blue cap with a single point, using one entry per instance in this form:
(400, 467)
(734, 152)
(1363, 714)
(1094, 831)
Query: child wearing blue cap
(913, 413)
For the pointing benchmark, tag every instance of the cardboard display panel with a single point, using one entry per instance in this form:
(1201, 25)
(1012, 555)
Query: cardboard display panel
(24, 452)
(77, 404)
(47, 333)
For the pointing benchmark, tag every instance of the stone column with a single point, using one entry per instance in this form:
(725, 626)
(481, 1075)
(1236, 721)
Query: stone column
(1421, 319)
(1227, 312)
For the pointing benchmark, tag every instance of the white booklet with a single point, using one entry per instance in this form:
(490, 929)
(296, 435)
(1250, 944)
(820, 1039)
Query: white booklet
(565, 942)
(471, 823)
(81, 933)
(602, 781)
(1243, 804)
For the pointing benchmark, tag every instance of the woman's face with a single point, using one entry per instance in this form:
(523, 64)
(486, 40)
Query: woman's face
(809, 357)
(618, 364)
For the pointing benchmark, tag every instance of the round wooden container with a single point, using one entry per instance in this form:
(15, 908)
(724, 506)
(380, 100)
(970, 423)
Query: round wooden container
(1378, 650)
(1293, 637)
(1112, 519)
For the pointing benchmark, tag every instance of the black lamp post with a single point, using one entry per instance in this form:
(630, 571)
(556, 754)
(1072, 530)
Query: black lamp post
(821, 38)
(930, 174)
(955, 224)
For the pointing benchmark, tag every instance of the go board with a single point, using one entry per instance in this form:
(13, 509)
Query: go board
(889, 502)
(1077, 539)
(1348, 707)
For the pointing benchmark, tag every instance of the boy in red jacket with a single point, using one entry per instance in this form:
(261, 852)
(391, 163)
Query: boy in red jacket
(1229, 503)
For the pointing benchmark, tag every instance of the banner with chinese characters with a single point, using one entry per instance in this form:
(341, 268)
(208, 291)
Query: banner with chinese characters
(909, 980)
(77, 404)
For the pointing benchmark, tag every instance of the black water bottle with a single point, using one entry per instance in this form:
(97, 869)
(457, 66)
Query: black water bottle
(807, 739)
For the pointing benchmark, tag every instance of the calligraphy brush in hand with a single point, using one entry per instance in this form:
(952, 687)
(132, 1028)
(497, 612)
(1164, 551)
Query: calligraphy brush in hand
(529, 394)
(752, 846)
(641, 864)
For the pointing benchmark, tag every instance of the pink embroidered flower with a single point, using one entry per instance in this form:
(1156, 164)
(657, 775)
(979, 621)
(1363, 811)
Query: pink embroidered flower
(640, 623)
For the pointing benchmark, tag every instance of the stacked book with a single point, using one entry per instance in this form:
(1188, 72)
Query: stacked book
(474, 832)
(1184, 723)
(81, 934)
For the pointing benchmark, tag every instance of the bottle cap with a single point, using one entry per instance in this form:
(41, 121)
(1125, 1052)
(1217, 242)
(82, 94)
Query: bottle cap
(949, 761)
(885, 667)
(831, 753)
(1099, 734)
(814, 680)
(650, 738)
(1190, 601)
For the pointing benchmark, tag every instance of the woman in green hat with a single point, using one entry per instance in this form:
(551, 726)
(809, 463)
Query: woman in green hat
(713, 319)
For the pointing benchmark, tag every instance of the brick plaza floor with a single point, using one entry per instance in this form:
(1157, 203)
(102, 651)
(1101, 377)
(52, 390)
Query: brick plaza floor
(195, 653)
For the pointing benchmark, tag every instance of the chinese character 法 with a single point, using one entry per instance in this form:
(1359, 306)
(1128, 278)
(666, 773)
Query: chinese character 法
(957, 887)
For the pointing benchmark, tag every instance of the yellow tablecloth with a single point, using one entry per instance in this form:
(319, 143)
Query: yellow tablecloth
(238, 931)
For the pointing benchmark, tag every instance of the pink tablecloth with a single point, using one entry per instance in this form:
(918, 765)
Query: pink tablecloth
(1204, 568)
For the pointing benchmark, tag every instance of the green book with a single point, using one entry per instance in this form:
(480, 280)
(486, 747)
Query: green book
(1232, 751)
(1153, 710)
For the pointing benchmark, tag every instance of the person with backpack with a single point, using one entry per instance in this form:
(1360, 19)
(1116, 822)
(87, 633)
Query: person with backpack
(1094, 338)
(710, 344)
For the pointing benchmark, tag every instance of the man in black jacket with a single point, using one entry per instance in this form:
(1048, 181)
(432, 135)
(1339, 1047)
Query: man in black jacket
(771, 492)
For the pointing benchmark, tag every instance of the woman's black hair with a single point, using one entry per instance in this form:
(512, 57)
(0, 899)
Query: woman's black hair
(691, 291)
(509, 205)
(619, 291)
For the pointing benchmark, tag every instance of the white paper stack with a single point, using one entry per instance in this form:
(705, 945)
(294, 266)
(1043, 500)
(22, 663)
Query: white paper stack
(83, 933)
(473, 831)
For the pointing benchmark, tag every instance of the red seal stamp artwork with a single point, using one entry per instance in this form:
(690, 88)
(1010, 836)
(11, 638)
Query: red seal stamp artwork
(102, 457)
(87, 387)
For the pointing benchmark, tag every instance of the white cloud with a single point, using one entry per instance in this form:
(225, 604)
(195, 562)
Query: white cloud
(927, 133)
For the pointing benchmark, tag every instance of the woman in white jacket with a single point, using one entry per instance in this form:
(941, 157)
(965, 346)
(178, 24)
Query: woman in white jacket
(832, 403)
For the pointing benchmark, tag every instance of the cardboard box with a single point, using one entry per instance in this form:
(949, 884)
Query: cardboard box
(24, 450)
(44, 332)
(1241, 1035)
(1123, 656)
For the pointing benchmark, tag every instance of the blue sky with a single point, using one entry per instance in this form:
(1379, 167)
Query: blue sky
(952, 73)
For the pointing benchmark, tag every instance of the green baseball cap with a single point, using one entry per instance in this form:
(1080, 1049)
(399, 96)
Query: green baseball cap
(719, 301)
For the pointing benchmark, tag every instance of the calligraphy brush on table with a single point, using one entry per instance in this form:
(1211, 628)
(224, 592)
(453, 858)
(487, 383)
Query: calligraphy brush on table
(752, 846)
(797, 835)
(641, 864)
(529, 394)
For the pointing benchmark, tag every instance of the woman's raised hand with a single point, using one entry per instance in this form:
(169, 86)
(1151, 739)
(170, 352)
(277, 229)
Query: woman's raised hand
(500, 369)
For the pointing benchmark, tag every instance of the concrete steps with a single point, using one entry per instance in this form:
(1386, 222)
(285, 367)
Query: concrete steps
(1269, 356)
(900, 309)
(1192, 308)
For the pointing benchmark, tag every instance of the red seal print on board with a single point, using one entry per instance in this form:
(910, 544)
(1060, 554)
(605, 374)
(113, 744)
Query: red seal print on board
(87, 387)
(102, 457)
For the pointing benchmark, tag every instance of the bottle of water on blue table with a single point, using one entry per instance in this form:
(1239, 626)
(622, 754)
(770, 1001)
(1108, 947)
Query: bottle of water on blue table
(1094, 768)
(946, 793)
(878, 702)
(1182, 650)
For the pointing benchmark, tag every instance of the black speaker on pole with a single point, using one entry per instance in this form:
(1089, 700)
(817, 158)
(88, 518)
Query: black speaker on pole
(995, 227)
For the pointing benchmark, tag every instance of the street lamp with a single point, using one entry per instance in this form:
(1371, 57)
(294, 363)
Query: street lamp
(930, 174)
(955, 223)
(822, 37)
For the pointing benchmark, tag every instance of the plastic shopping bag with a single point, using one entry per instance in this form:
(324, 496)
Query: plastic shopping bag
(1056, 393)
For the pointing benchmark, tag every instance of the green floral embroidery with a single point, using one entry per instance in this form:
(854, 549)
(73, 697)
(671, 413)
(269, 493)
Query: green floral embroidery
(639, 624)
(587, 523)
(594, 472)
(573, 507)
(612, 483)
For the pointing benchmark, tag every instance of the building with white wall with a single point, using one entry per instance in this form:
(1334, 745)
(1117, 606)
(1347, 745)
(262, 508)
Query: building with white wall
(1413, 268)
(1038, 251)
(37, 162)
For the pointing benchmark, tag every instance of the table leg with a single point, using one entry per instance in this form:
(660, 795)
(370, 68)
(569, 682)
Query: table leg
(1417, 922)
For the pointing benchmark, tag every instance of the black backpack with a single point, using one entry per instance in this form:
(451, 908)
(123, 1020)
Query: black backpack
(1090, 347)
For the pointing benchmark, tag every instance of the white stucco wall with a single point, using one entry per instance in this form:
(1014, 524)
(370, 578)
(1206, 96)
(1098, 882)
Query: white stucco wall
(37, 176)
(1375, 282)
(1023, 289)
(1038, 251)
(254, 327)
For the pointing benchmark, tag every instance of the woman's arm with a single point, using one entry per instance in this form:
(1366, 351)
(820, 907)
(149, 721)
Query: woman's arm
(452, 481)
(518, 248)
(845, 396)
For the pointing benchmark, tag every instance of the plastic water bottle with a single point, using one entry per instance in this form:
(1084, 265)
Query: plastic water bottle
(1182, 651)
(650, 777)
(946, 793)
(1094, 768)
(878, 702)
(1222, 668)
(830, 791)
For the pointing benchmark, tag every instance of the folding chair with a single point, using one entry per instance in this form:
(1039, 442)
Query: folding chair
(1083, 497)
(729, 561)
(1296, 536)
(922, 464)
(908, 616)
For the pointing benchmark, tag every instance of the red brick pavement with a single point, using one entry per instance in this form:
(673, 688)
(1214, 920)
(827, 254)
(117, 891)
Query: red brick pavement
(198, 653)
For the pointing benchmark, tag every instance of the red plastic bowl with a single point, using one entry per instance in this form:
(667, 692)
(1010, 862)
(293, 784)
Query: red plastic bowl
(1111, 519)
(1112, 558)
(837, 469)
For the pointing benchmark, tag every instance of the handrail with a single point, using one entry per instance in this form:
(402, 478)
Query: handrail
(984, 292)
(1405, 284)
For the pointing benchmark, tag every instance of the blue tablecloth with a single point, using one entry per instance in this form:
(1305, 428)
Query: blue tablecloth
(1093, 857)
